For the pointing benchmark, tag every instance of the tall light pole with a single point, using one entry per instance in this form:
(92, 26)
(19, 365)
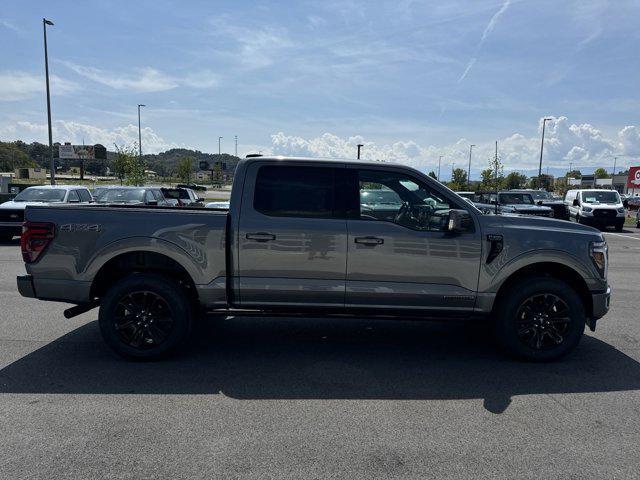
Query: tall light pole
(236, 139)
(219, 150)
(360, 145)
(469, 171)
(544, 122)
(140, 134)
(52, 165)
(439, 160)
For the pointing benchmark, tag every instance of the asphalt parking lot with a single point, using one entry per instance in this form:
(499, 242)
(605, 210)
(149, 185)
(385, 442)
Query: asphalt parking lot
(310, 398)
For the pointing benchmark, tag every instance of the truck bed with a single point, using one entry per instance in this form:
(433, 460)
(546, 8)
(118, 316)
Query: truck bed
(89, 237)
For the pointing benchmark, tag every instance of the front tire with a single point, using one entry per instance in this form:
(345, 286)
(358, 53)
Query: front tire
(146, 317)
(619, 227)
(540, 319)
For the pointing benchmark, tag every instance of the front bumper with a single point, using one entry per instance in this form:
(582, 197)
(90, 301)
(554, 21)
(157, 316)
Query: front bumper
(25, 286)
(600, 301)
(601, 221)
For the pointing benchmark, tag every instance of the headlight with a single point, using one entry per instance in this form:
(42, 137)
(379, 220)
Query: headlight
(587, 209)
(621, 210)
(600, 256)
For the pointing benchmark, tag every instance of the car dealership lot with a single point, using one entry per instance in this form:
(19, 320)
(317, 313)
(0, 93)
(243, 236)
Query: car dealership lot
(305, 398)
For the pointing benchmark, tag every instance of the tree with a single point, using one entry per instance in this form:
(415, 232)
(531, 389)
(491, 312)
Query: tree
(493, 177)
(184, 169)
(432, 174)
(601, 173)
(217, 174)
(128, 166)
(12, 157)
(543, 181)
(515, 180)
(574, 174)
(458, 180)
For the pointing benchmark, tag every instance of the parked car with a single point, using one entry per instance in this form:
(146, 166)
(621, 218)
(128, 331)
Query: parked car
(183, 197)
(132, 196)
(544, 198)
(192, 186)
(633, 203)
(512, 202)
(598, 208)
(12, 212)
(218, 204)
(297, 238)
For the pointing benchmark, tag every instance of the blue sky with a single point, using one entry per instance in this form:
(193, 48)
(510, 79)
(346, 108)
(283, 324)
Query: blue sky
(411, 80)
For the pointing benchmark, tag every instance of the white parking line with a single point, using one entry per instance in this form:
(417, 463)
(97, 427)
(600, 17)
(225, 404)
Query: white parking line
(621, 235)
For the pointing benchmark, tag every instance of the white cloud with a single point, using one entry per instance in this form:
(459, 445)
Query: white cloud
(583, 145)
(146, 79)
(22, 85)
(76, 133)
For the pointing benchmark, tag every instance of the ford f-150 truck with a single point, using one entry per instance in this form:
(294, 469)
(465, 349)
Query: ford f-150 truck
(297, 240)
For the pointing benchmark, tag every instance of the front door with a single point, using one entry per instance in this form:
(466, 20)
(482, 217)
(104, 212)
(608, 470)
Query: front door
(400, 255)
(292, 238)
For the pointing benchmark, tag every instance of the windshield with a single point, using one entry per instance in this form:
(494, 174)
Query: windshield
(121, 195)
(41, 195)
(540, 195)
(515, 199)
(600, 197)
(384, 197)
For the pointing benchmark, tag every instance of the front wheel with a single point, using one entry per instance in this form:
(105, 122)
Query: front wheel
(145, 317)
(619, 227)
(540, 319)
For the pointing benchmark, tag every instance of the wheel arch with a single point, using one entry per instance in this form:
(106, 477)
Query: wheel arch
(555, 270)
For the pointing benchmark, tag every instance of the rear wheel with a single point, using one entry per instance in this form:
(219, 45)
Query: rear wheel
(146, 317)
(540, 319)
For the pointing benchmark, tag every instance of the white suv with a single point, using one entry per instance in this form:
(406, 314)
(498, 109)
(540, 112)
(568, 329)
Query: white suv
(598, 208)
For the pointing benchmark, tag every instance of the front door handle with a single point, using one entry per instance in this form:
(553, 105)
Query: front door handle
(261, 236)
(371, 241)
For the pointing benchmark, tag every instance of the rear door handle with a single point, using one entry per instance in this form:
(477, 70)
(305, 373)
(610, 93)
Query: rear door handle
(372, 241)
(261, 236)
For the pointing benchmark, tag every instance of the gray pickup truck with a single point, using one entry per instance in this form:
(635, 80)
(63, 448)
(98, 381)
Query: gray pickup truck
(297, 240)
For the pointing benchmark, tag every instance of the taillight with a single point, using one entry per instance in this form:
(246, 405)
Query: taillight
(35, 238)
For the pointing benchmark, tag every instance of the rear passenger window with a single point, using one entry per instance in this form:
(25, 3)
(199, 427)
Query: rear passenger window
(85, 196)
(288, 191)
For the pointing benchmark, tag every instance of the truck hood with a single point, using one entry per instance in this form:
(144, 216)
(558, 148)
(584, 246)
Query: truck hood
(540, 226)
(11, 205)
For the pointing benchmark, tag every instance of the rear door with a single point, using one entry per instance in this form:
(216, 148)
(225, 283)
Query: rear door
(405, 258)
(292, 236)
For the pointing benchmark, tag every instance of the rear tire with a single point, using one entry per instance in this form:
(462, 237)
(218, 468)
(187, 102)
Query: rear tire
(540, 319)
(146, 317)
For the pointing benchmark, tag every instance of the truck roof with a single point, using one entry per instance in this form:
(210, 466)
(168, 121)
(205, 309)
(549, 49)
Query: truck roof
(281, 158)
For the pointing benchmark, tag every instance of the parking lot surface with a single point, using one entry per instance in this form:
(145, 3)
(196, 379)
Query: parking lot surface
(316, 398)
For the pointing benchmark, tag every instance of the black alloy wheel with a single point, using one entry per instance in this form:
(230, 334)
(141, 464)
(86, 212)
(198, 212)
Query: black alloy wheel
(543, 321)
(143, 319)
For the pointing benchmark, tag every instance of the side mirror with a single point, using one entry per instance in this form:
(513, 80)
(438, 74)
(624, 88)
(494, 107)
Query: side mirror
(539, 202)
(459, 221)
(576, 203)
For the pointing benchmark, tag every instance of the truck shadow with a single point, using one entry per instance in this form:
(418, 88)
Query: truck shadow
(257, 358)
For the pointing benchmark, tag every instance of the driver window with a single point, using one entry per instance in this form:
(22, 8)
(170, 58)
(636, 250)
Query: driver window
(394, 197)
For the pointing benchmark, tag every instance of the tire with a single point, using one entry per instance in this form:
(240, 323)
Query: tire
(518, 328)
(619, 227)
(130, 308)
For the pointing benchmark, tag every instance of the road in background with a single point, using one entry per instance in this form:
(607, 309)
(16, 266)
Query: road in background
(311, 398)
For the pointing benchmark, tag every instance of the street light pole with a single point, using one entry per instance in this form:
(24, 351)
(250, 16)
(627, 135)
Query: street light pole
(236, 139)
(140, 134)
(360, 145)
(439, 160)
(52, 165)
(615, 160)
(219, 151)
(544, 122)
(469, 171)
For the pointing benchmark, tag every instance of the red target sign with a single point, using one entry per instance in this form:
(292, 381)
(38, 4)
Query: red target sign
(634, 178)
